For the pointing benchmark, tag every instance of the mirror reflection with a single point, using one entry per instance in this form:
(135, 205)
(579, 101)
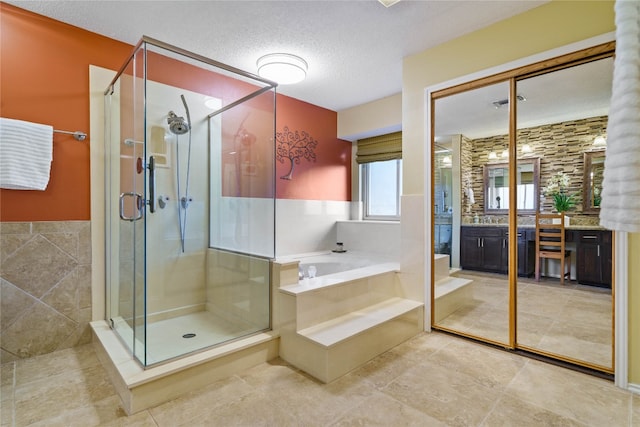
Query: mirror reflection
(461, 302)
(496, 186)
(443, 196)
(592, 180)
(560, 115)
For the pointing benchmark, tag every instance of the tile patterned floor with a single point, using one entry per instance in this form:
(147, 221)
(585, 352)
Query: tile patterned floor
(431, 380)
(570, 320)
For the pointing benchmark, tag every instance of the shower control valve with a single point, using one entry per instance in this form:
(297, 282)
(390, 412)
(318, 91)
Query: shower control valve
(162, 201)
(184, 202)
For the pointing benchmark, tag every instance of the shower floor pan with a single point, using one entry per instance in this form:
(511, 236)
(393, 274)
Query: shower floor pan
(171, 338)
(141, 388)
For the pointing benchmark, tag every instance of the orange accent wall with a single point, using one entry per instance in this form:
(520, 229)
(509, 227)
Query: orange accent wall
(329, 177)
(44, 78)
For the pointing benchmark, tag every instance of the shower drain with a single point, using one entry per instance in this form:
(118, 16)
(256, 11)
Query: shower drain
(189, 335)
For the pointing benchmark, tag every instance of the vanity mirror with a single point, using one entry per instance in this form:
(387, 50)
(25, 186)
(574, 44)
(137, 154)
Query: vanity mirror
(496, 187)
(592, 181)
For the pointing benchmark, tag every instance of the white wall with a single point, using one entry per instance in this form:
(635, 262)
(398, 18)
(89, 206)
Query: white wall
(377, 237)
(307, 225)
(243, 224)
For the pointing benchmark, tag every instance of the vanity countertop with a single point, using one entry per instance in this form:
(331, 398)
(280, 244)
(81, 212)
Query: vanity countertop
(532, 226)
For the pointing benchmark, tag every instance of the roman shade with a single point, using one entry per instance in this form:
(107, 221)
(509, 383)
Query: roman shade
(379, 148)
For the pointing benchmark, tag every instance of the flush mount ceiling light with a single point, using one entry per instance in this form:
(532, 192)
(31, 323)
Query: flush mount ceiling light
(388, 3)
(282, 68)
(501, 102)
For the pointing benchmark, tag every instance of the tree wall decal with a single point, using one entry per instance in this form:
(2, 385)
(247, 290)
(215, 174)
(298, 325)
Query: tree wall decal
(294, 146)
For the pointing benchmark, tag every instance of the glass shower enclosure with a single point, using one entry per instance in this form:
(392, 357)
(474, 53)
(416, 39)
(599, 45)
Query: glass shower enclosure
(190, 202)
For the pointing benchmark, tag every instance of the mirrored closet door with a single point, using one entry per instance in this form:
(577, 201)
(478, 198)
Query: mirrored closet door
(516, 158)
(471, 294)
(563, 123)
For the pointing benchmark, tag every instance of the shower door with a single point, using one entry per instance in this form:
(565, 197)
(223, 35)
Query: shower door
(125, 207)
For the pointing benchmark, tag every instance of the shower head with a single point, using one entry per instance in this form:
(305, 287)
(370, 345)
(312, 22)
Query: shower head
(177, 125)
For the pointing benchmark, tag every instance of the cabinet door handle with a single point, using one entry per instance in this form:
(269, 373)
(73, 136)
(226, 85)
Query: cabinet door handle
(589, 237)
(504, 241)
(482, 242)
(598, 250)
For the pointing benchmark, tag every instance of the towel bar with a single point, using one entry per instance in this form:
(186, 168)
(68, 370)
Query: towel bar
(79, 136)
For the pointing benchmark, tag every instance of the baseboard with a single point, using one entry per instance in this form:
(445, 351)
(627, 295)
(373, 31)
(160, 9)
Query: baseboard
(634, 388)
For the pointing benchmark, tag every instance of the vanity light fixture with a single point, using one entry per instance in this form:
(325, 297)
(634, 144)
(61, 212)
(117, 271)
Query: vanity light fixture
(493, 155)
(505, 154)
(282, 68)
(526, 148)
(600, 141)
(446, 160)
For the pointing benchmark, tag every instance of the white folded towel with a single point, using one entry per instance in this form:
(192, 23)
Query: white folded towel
(26, 152)
(620, 207)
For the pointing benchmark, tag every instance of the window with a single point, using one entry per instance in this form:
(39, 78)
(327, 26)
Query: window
(381, 188)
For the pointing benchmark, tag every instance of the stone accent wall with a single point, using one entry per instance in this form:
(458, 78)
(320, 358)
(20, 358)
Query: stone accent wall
(559, 146)
(466, 175)
(45, 279)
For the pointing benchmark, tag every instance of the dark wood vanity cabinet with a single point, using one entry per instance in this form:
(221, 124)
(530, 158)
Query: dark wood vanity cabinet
(487, 249)
(471, 251)
(594, 257)
(526, 252)
(481, 248)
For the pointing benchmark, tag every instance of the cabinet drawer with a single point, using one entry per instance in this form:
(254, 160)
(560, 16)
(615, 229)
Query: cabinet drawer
(594, 237)
(483, 231)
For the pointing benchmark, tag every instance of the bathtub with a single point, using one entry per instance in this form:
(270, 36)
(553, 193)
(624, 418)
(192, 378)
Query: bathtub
(332, 263)
(329, 322)
(332, 269)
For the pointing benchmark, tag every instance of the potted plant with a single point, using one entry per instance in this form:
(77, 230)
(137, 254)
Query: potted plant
(557, 187)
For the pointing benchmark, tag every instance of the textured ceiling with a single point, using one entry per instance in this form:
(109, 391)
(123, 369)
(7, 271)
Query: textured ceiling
(569, 94)
(354, 48)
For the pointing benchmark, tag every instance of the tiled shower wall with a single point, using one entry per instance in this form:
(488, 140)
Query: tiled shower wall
(45, 275)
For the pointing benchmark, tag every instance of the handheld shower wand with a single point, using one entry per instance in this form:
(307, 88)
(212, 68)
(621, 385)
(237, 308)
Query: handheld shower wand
(186, 108)
(186, 199)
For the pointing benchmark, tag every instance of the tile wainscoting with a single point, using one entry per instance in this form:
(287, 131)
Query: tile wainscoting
(45, 275)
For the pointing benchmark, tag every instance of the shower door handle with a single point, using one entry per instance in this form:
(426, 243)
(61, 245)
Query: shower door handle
(152, 184)
(139, 204)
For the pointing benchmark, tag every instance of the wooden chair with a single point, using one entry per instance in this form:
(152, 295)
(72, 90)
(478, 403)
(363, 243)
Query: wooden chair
(550, 243)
